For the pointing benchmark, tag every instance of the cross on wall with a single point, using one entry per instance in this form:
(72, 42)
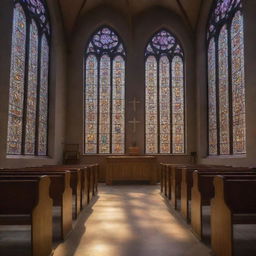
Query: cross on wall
(134, 102)
(134, 122)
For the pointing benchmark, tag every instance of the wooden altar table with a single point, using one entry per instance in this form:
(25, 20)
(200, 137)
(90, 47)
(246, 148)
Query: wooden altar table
(131, 169)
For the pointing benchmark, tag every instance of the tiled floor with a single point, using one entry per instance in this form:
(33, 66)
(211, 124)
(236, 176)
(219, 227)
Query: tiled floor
(130, 221)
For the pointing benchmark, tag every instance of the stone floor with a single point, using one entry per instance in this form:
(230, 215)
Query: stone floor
(130, 221)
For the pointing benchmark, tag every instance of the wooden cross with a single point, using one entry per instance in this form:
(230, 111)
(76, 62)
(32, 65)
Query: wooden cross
(134, 122)
(134, 102)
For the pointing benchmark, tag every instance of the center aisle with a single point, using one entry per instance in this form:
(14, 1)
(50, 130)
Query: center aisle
(130, 221)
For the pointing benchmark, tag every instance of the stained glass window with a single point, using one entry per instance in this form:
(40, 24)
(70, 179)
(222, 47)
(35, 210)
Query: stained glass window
(43, 99)
(212, 115)
(164, 94)
(226, 88)
(238, 90)
(223, 92)
(28, 94)
(177, 105)
(31, 91)
(104, 88)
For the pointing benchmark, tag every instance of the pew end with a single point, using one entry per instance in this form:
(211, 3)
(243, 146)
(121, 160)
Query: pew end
(221, 222)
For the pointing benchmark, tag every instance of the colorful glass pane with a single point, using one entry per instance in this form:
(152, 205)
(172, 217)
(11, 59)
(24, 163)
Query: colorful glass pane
(221, 12)
(38, 8)
(105, 75)
(212, 110)
(178, 124)
(91, 104)
(238, 87)
(164, 95)
(223, 92)
(16, 93)
(163, 42)
(118, 106)
(43, 99)
(164, 105)
(151, 106)
(104, 106)
(32, 91)
(107, 41)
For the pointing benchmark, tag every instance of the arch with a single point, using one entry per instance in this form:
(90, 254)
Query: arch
(104, 93)
(164, 92)
(28, 97)
(226, 104)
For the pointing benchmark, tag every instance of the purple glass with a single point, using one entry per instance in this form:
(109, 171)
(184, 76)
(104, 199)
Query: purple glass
(105, 39)
(163, 42)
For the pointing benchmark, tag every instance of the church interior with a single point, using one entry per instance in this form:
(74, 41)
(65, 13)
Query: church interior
(127, 128)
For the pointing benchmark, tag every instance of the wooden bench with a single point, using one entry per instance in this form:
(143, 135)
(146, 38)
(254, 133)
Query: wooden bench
(187, 183)
(166, 178)
(84, 172)
(162, 167)
(176, 178)
(89, 180)
(75, 182)
(203, 192)
(60, 192)
(234, 203)
(29, 196)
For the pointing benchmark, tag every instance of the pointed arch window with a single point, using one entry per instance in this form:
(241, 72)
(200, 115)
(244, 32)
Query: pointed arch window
(28, 94)
(104, 93)
(164, 95)
(226, 87)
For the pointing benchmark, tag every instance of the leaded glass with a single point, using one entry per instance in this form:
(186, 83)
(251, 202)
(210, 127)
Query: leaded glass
(227, 132)
(238, 90)
(28, 95)
(164, 106)
(104, 106)
(91, 104)
(178, 105)
(118, 106)
(38, 8)
(223, 92)
(43, 99)
(105, 94)
(212, 111)
(221, 12)
(32, 91)
(16, 94)
(151, 106)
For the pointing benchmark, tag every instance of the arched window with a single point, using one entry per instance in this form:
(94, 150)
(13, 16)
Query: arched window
(28, 94)
(104, 93)
(164, 94)
(226, 88)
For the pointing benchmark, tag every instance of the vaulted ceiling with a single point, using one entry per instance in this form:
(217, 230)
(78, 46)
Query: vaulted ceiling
(73, 9)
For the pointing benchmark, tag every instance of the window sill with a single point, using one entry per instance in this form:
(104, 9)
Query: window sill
(227, 156)
(27, 157)
(95, 155)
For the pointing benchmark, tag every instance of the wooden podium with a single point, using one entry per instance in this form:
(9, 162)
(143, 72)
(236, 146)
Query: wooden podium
(131, 169)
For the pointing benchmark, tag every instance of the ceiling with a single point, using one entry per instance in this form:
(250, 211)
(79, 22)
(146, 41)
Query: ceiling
(71, 10)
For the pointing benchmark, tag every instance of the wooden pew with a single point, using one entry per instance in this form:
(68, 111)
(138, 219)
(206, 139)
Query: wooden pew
(84, 181)
(233, 203)
(92, 177)
(29, 197)
(89, 184)
(60, 192)
(187, 183)
(162, 167)
(75, 181)
(176, 175)
(203, 192)
(166, 178)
